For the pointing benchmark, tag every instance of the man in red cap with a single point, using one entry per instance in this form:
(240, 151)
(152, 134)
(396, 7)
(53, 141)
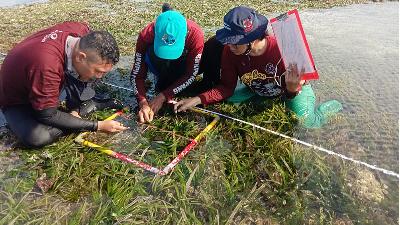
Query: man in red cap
(168, 49)
(65, 56)
(251, 57)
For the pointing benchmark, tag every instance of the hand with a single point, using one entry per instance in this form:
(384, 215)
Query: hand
(157, 103)
(75, 113)
(110, 126)
(186, 104)
(145, 113)
(293, 78)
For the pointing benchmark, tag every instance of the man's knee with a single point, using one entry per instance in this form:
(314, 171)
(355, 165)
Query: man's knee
(28, 130)
(37, 138)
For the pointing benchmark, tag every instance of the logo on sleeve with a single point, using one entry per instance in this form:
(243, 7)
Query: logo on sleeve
(53, 36)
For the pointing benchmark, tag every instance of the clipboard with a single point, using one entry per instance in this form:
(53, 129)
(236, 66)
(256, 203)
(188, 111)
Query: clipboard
(292, 43)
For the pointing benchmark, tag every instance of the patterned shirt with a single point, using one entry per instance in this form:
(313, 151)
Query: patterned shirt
(262, 74)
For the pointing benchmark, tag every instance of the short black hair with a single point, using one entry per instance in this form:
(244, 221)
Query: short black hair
(102, 43)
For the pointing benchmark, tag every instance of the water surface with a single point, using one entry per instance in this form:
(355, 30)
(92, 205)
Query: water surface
(11, 3)
(356, 51)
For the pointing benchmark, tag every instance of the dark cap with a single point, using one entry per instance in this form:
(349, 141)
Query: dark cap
(242, 25)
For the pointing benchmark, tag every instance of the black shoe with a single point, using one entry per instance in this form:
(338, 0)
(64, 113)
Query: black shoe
(97, 104)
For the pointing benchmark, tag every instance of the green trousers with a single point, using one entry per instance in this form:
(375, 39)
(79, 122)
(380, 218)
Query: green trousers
(303, 105)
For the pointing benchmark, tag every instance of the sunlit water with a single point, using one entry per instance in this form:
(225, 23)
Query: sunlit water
(356, 51)
(10, 3)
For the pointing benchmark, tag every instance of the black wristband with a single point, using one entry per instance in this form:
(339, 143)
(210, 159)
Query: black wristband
(95, 125)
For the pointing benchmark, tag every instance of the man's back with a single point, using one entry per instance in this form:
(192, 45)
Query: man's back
(33, 69)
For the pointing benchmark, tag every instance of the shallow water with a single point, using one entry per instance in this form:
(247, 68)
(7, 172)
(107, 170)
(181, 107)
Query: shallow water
(10, 3)
(356, 52)
(352, 46)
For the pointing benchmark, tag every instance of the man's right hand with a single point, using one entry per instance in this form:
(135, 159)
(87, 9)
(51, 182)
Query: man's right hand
(110, 126)
(146, 114)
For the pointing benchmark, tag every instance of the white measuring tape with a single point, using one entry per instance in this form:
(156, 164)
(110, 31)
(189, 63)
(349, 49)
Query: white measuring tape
(373, 167)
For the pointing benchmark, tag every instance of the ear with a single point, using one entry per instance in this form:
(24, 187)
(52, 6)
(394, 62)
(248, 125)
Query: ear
(81, 56)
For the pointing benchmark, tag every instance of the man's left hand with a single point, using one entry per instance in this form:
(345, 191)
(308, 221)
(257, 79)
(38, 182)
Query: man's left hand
(157, 103)
(186, 104)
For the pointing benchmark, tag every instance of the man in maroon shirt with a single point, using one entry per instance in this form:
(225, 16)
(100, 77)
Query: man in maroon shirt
(252, 57)
(170, 49)
(35, 71)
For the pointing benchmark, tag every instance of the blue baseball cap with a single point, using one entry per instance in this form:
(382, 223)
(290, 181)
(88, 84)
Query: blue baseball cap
(169, 35)
(242, 25)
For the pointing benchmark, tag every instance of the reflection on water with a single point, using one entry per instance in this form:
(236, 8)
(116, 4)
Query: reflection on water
(10, 3)
(358, 65)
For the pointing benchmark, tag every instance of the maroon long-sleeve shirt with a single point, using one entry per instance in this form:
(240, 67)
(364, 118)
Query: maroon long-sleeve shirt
(33, 71)
(259, 73)
(194, 44)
